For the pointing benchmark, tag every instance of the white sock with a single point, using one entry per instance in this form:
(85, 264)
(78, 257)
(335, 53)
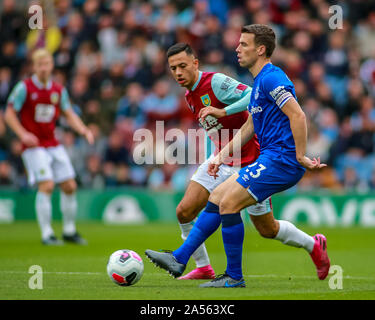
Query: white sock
(43, 207)
(68, 207)
(200, 255)
(290, 235)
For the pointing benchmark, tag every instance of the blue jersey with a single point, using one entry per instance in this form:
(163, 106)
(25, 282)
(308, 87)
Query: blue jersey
(271, 90)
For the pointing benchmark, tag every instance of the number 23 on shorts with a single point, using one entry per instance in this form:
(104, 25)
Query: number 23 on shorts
(258, 170)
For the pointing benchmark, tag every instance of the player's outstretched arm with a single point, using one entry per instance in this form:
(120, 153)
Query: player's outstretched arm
(239, 140)
(298, 126)
(76, 123)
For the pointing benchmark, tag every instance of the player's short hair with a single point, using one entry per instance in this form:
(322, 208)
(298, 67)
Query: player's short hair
(40, 53)
(263, 35)
(180, 47)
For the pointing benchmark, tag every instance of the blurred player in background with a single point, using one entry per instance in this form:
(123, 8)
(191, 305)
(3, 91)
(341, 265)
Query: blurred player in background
(218, 103)
(32, 110)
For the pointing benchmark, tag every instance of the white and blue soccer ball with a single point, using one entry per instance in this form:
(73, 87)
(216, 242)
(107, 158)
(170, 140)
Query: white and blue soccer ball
(125, 267)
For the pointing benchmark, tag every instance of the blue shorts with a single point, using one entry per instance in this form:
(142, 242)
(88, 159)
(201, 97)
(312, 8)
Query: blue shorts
(268, 175)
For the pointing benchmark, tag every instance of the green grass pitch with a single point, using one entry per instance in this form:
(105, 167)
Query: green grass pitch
(272, 270)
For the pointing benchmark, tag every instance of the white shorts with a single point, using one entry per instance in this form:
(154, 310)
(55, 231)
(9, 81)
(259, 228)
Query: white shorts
(44, 164)
(210, 183)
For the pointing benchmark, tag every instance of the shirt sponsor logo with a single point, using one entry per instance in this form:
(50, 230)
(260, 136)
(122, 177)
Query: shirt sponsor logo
(226, 83)
(257, 109)
(256, 94)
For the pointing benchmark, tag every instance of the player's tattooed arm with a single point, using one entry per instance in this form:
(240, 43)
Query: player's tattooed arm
(76, 123)
(298, 126)
(239, 140)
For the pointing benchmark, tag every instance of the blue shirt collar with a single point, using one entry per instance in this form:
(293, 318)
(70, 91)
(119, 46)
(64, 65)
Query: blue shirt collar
(265, 67)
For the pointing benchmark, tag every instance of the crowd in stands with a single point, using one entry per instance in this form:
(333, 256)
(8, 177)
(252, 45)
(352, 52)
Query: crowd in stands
(111, 56)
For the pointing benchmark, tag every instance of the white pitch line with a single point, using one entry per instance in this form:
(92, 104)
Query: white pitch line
(301, 277)
(277, 276)
(56, 272)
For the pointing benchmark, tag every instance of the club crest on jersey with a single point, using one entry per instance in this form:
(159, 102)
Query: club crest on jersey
(206, 100)
(34, 96)
(54, 97)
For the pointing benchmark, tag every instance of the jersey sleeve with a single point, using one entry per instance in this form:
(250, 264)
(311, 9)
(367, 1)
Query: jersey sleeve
(209, 146)
(65, 101)
(18, 96)
(278, 88)
(239, 105)
(228, 90)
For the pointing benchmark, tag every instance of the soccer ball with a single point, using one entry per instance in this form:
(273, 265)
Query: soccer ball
(125, 267)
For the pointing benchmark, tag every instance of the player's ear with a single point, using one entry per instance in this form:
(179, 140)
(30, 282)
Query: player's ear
(195, 62)
(261, 50)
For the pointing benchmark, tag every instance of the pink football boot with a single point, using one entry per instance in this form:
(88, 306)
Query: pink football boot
(205, 272)
(320, 257)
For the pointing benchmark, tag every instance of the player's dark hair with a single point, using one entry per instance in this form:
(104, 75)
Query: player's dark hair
(263, 35)
(180, 47)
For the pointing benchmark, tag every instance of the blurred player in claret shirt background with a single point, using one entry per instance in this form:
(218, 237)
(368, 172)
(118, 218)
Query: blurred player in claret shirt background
(39, 101)
(80, 79)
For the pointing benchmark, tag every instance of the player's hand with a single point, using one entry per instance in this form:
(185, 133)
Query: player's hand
(312, 164)
(89, 136)
(29, 139)
(213, 166)
(212, 111)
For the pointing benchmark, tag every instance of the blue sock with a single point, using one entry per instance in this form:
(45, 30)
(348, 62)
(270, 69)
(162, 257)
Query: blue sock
(208, 222)
(233, 235)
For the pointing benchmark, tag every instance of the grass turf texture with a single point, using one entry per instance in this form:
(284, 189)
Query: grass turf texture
(272, 270)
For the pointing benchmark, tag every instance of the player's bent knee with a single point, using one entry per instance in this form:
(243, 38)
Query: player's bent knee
(46, 187)
(69, 187)
(267, 232)
(184, 214)
(228, 206)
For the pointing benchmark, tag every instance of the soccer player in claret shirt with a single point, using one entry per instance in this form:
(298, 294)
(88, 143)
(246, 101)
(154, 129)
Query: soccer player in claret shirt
(33, 108)
(218, 103)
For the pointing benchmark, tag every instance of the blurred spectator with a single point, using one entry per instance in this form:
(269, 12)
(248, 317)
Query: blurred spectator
(92, 176)
(6, 174)
(129, 113)
(116, 153)
(49, 37)
(111, 56)
(365, 35)
(160, 104)
(317, 144)
(363, 124)
(12, 22)
(9, 57)
(6, 84)
(336, 66)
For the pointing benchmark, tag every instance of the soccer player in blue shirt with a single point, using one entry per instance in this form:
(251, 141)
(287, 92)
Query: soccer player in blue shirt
(280, 125)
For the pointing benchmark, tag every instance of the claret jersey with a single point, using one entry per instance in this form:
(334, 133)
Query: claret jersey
(39, 107)
(219, 91)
